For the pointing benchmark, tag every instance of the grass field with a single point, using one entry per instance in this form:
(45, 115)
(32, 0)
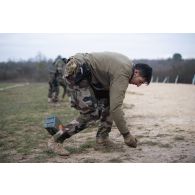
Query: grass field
(159, 115)
(22, 113)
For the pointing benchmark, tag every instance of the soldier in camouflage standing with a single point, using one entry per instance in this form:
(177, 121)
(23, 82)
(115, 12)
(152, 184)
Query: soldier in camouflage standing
(99, 82)
(56, 80)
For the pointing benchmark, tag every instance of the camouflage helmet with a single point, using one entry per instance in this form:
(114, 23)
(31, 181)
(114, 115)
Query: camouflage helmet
(70, 68)
(59, 63)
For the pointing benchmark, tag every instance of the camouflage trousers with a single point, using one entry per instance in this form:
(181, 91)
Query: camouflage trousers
(90, 108)
(54, 88)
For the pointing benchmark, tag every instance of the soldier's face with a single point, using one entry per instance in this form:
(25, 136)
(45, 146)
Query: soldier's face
(137, 79)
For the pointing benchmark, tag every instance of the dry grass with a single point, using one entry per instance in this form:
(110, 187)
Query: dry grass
(22, 113)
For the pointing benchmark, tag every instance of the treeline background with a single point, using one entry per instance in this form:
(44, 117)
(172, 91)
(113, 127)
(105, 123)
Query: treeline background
(37, 69)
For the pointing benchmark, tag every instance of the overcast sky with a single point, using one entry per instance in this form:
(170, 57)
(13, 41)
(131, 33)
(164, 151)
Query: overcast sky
(153, 45)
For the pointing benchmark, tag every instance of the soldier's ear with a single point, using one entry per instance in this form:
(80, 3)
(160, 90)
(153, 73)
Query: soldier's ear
(137, 72)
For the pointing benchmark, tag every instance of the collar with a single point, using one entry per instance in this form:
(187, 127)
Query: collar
(133, 69)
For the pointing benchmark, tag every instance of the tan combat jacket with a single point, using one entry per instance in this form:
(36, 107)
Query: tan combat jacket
(113, 71)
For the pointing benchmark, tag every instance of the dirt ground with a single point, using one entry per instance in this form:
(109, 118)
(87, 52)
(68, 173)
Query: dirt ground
(161, 116)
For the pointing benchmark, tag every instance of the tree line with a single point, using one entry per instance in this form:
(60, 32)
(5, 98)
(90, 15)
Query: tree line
(29, 70)
(37, 70)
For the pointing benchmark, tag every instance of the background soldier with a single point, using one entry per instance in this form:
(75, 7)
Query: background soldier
(56, 79)
(99, 82)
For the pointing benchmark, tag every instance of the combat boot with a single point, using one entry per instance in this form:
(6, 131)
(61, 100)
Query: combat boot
(130, 140)
(55, 100)
(57, 148)
(104, 141)
(101, 140)
(49, 100)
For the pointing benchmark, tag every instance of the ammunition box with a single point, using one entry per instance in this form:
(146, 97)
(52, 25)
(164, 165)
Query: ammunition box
(52, 124)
